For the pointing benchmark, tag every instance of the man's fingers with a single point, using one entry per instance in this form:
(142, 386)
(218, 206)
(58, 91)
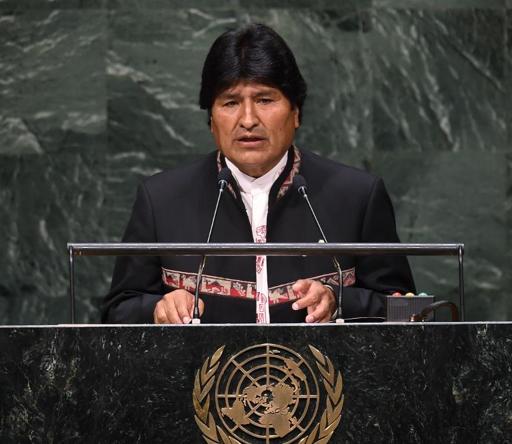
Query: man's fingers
(308, 292)
(317, 298)
(184, 303)
(302, 286)
(319, 312)
(159, 315)
(306, 301)
(164, 313)
(175, 308)
(170, 309)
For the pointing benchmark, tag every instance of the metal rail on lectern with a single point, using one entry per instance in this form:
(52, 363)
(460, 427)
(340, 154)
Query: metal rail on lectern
(270, 249)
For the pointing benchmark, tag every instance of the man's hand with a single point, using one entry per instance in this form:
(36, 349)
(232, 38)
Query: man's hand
(318, 299)
(176, 307)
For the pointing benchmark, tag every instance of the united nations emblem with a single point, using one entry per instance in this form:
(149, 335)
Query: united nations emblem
(267, 393)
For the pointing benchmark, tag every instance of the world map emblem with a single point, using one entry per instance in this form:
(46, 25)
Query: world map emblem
(268, 393)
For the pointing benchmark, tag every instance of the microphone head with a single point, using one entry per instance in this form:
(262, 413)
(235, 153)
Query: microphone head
(300, 184)
(224, 177)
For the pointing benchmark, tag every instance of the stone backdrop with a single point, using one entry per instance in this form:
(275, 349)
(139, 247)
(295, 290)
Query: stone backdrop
(96, 94)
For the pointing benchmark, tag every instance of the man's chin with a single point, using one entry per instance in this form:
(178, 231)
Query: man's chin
(254, 169)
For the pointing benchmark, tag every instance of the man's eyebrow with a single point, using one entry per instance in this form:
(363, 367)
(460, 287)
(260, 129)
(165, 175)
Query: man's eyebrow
(265, 92)
(226, 95)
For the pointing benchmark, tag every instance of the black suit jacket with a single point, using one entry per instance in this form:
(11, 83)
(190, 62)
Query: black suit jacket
(176, 206)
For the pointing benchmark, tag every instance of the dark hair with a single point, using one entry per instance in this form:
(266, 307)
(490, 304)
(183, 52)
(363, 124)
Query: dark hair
(254, 53)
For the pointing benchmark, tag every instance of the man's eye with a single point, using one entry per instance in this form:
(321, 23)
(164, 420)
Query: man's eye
(230, 104)
(265, 100)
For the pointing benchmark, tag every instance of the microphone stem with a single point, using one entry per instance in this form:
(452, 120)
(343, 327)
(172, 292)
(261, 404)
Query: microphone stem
(221, 190)
(337, 266)
(339, 313)
(195, 313)
(316, 220)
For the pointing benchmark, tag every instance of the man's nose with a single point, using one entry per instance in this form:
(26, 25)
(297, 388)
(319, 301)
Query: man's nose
(249, 116)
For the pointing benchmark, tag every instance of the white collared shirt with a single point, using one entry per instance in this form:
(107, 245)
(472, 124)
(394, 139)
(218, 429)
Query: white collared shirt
(255, 193)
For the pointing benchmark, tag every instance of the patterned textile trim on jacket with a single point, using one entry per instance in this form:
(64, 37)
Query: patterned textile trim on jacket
(246, 289)
(287, 182)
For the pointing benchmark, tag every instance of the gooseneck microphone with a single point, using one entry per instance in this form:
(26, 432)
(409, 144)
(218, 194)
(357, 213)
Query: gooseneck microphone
(300, 184)
(222, 182)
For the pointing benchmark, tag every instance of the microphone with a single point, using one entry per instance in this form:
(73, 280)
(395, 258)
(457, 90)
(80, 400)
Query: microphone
(300, 184)
(222, 182)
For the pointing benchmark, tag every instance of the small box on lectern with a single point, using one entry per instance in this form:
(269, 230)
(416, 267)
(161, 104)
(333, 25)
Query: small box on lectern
(401, 308)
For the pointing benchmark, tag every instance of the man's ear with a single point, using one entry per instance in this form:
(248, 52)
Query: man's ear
(296, 117)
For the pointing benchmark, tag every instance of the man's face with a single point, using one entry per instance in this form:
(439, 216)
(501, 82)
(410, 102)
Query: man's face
(253, 125)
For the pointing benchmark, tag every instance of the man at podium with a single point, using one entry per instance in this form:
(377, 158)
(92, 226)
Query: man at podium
(254, 94)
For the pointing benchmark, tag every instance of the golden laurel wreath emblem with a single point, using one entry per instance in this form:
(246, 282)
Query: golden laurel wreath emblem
(267, 387)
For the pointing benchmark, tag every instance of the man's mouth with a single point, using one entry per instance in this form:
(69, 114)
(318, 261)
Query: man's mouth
(251, 142)
(250, 139)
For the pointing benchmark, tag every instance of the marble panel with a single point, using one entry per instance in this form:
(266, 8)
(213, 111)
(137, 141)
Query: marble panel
(52, 156)
(20, 5)
(508, 201)
(238, 4)
(401, 383)
(47, 201)
(308, 4)
(439, 80)
(142, 5)
(439, 4)
(508, 55)
(508, 222)
(455, 197)
(52, 87)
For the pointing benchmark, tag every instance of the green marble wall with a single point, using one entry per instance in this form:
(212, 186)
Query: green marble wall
(96, 94)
